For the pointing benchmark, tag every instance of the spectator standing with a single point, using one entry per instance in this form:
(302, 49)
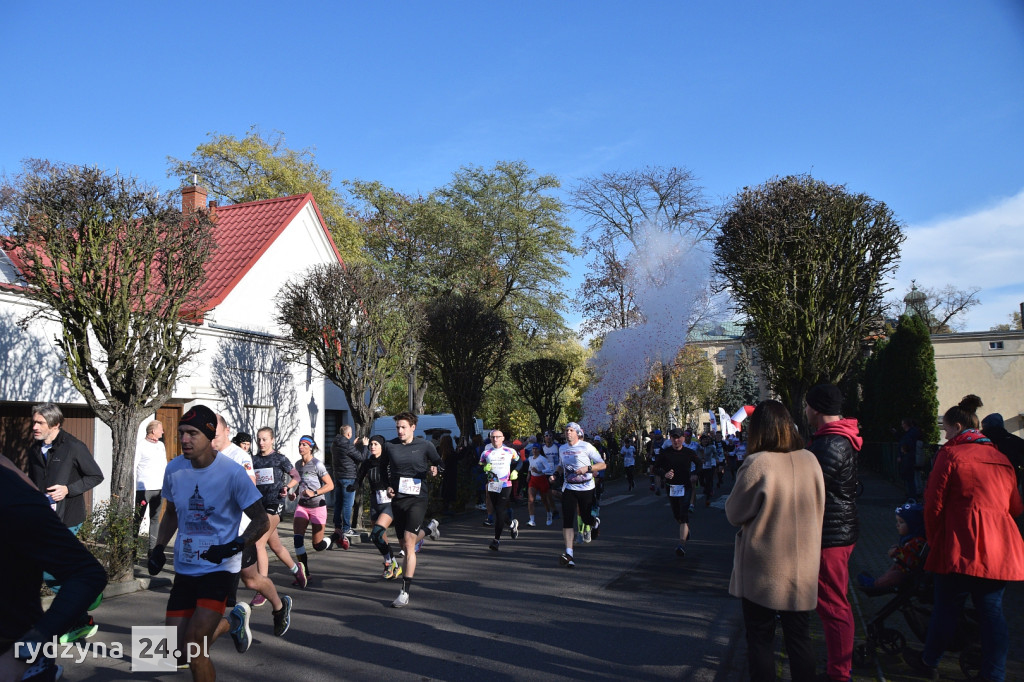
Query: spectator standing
(346, 457)
(836, 442)
(150, 462)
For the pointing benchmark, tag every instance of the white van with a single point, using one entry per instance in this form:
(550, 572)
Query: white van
(427, 425)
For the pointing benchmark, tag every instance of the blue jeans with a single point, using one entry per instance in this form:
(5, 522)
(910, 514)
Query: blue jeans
(951, 592)
(343, 511)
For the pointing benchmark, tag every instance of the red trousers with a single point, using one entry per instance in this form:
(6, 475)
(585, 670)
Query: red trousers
(835, 612)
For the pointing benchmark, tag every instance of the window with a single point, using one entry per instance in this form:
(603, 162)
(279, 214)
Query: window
(995, 345)
(720, 357)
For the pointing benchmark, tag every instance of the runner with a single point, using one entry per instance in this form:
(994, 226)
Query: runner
(206, 495)
(312, 506)
(374, 470)
(407, 459)
(540, 469)
(579, 460)
(497, 461)
(678, 465)
(628, 453)
(551, 452)
(275, 476)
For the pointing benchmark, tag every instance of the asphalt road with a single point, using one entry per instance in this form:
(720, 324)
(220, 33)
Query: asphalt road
(630, 609)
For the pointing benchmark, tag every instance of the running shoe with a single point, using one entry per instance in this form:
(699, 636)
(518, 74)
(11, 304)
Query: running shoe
(301, 579)
(495, 544)
(401, 554)
(258, 600)
(531, 523)
(489, 522)
(482, 507)
(240, 632)
(565, 559)
(691, 508)
(344, 543)
(433, 530)
(587, 536)
(402, 600)
(95, 602)
(514, 529)
(84, 630)
(596, 530)
(393, 570)
(419, 544)
(352, 533)
(549, 519)
(680, 552)
(43, 670)
(283, 618)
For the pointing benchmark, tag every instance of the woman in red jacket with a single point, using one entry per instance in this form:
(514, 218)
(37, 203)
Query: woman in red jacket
(969, 505)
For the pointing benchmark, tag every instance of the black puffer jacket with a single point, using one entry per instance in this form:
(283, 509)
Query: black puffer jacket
(836, 446)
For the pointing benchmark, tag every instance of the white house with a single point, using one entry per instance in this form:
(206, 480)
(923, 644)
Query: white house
(239, 369)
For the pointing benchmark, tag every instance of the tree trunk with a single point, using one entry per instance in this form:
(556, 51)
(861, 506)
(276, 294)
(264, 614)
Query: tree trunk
(120, 527)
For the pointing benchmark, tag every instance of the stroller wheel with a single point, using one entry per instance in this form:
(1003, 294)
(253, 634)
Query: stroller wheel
(892, 641)
(862, 655)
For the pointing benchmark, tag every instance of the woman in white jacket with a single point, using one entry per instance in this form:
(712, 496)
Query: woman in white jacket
(778, 502)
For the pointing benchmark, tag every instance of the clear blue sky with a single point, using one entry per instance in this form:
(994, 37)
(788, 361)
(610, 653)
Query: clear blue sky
(919, 104)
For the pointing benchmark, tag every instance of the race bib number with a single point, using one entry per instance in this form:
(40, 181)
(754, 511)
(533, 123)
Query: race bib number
(409, 486)
(264, 476)
(192, 547)
(382, 497)
(495, 486)
(677, 491)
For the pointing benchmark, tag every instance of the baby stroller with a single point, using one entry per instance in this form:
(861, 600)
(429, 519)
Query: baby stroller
(913, 599)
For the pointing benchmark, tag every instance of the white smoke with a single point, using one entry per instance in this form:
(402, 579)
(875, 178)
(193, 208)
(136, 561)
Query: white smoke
(669, 277)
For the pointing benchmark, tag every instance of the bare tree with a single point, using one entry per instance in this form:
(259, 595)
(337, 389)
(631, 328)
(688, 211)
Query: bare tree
(943, 310)
(465, 343)
(119, 268)
(542, 383)
(356, 324)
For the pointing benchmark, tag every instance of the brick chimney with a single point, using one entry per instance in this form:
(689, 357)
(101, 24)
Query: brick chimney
(193, 197)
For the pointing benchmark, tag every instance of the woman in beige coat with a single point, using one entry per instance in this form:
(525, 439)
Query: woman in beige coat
(778, 502)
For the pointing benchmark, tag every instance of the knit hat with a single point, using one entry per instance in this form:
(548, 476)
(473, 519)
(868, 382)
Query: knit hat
(241, 437)
(203, 418)
(826, 399)
(913, 514)
(994, 420)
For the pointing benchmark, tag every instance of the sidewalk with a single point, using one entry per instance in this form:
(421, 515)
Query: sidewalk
(877, 513)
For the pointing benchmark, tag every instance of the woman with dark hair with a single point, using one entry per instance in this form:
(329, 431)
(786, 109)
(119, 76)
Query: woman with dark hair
(970, 502)
(374, 470)
(778, 502)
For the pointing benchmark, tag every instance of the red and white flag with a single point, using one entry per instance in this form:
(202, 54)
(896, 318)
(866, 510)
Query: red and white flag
(742, 414)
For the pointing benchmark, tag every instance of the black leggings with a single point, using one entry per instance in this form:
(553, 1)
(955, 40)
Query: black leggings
(629, 476)
(500, 502)
(760, 626)
(584, 500)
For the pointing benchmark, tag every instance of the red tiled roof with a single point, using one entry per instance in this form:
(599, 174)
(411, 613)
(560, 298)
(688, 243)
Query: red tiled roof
(243, 233)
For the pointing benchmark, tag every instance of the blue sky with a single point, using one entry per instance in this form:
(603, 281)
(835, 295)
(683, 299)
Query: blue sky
(919, 104)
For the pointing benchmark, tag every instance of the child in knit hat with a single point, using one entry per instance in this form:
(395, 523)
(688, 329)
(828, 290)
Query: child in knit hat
(905, 555)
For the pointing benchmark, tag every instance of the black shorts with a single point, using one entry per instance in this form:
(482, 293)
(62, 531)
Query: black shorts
(209, 591)
(378, 509)
(680, 508)
(274, 509)
(409, 514)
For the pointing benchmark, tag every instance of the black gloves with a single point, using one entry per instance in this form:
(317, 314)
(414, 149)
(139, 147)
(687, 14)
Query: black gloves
(218, 553)
(157, 559)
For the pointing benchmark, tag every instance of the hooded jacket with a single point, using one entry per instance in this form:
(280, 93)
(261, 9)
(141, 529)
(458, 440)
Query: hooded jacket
(969, 507)
(836, 445)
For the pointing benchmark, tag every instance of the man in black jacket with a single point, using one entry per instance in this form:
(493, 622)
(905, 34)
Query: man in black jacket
(346, 458)
(1010, 445)
(63, 469)
(60, 465)
(835, 443)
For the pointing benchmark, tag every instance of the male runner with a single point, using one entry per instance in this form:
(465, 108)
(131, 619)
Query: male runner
(677, 464)
(206, 495)
(497, 462)
(407, 460)
(579, 461)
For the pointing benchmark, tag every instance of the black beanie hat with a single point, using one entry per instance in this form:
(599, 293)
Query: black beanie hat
(202, 418)
(826, 398)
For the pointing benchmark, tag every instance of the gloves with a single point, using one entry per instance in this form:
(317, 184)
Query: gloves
(514, 475)
(351, 487)
(218, 553)
(157, 559)
(487, 467)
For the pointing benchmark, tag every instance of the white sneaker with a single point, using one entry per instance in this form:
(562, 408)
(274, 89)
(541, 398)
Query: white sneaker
(432, 529)
(531, 522)
(514, 529)
(403, 600)
(549, 520)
